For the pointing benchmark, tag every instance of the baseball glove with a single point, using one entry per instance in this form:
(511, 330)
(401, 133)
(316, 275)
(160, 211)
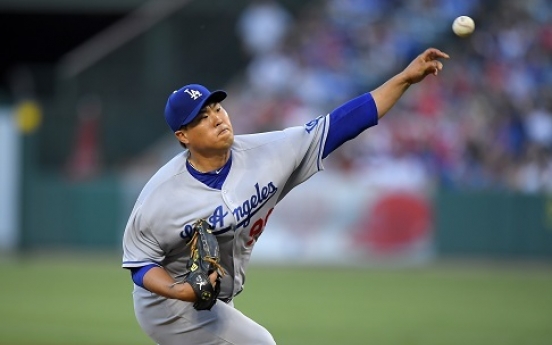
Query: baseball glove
(204, 260)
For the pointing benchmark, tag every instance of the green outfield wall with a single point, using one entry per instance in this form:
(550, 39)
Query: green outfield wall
(58, 214)
(503, 224)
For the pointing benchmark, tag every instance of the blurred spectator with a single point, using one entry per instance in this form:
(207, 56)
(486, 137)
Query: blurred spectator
(262, 26)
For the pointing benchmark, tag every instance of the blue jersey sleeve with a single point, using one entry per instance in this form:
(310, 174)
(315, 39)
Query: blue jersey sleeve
(349, 120)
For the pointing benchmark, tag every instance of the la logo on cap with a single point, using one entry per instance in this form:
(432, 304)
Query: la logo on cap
(194, 94)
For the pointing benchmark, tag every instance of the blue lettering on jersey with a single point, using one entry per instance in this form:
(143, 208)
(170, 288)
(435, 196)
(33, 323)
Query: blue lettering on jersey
(257, 200)
(311, 124)
(217, 218)
(187, 232)
(241, 213)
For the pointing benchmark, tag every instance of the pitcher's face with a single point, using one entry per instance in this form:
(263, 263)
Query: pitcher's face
(210, 131)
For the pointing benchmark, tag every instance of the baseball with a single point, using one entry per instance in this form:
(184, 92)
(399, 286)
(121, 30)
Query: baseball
(463, 26)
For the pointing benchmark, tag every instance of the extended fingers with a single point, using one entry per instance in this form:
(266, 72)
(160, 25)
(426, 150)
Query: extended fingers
(426, 63)
(433, 53)
(430, 57)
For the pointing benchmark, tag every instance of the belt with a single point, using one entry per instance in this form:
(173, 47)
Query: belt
(229, 299)
(226, 300)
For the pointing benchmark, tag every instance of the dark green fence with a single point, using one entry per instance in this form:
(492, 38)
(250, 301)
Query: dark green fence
(495, 224)
(61, 214)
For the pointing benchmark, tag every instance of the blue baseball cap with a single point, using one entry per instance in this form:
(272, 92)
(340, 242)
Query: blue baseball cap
(185, 103)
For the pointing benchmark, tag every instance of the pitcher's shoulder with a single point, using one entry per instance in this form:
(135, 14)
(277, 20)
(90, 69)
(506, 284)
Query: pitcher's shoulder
(245, 142)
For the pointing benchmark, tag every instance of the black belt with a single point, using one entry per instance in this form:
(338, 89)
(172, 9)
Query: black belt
(226, 300)
(229, 299)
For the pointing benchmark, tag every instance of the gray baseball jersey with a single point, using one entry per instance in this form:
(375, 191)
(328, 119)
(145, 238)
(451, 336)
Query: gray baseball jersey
(265, 167)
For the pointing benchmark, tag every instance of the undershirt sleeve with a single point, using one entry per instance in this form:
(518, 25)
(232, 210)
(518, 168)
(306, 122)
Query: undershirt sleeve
(349, 120)
(138, 274)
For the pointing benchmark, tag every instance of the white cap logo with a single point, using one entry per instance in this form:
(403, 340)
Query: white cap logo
(194, 94)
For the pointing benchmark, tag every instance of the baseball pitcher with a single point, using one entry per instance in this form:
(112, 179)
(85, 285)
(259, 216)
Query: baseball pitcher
(190, 235)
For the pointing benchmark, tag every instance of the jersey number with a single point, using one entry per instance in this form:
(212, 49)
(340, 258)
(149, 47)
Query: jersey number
(257, 229)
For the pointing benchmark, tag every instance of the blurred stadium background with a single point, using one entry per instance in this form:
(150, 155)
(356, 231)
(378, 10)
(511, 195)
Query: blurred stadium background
(445, 207)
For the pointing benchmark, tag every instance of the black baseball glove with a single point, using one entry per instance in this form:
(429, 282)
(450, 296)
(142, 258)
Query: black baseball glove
(204, 260)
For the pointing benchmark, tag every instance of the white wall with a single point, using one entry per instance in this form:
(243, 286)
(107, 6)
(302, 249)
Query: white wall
(10, 160)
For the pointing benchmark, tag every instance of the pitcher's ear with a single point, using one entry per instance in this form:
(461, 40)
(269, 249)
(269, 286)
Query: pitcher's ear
(182, 136)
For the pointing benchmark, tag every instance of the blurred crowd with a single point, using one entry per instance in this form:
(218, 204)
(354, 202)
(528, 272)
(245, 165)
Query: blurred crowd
(484, 123)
